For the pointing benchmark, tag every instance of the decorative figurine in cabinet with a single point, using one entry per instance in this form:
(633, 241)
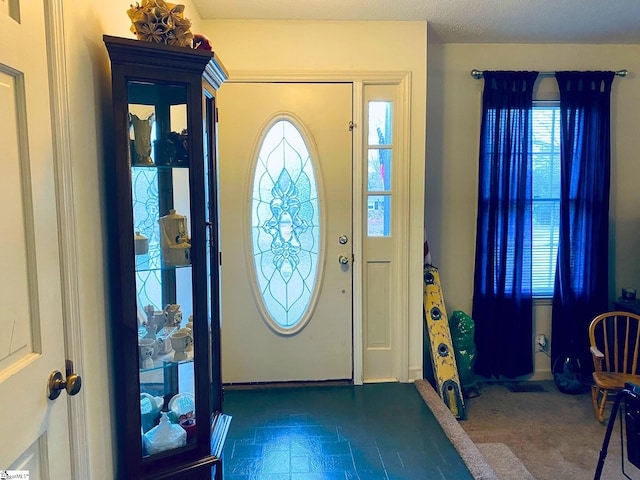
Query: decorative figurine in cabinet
(163, 247)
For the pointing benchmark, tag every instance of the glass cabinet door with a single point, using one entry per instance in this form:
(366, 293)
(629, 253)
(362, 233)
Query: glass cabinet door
(161, 199)
(162, 218)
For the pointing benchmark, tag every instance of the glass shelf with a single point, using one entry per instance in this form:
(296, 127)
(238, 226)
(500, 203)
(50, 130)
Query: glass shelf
(161, 167)
(147, 267)
(165, 361)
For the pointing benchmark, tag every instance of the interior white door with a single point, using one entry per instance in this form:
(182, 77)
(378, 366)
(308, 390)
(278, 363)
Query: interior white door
(252, 349)
(35, 433)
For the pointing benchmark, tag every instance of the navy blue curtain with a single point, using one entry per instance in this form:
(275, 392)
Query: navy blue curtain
(502, 296)
(582, 281)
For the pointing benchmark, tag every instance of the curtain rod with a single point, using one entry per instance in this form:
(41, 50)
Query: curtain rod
(477, 74)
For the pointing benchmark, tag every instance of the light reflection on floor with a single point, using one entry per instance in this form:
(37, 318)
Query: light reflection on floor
(375, 431)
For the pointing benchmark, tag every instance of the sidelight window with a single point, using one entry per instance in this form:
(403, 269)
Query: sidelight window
(379, 153)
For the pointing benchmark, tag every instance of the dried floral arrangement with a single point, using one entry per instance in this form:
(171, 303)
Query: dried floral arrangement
(160, 22)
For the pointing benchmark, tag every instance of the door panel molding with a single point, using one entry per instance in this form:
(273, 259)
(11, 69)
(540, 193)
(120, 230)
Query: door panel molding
(21, 342)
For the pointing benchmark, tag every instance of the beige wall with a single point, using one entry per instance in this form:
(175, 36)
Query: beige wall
(453, 124)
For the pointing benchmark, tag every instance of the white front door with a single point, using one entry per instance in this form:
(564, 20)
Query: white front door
(270, 237)
(35, 435)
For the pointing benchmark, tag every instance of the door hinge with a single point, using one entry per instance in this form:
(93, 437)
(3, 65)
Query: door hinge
(351, 126)
(220, 258)
(216, 116)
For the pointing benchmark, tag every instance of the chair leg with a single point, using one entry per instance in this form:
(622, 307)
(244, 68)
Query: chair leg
(599, 400)
(594, 399)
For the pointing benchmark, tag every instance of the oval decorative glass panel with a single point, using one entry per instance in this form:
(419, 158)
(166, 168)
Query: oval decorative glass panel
(285, 225)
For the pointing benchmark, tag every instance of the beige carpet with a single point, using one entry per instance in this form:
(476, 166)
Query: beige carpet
(504, 462)
(484, 461)
(553, 436)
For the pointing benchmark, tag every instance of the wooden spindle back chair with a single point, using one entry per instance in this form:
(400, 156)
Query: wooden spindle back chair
(615, 348)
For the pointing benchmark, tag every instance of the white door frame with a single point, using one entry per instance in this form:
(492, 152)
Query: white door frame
(61, 130)
(359, 79)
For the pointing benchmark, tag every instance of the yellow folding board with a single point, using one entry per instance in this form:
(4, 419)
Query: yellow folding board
(443, 357)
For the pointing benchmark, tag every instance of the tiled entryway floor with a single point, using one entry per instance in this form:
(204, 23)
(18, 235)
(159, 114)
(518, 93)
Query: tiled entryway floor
(374, 431)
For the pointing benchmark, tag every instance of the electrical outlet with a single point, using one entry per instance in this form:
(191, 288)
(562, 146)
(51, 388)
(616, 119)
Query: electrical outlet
(542, 341)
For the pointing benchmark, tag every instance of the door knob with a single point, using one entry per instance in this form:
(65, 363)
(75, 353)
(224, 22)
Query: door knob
(57, 383)
(343, 260)
(343, 239)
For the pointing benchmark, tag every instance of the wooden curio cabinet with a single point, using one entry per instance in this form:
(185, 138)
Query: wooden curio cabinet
(163, 247)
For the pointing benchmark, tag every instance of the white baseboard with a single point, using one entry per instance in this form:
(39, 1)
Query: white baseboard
(415, 373)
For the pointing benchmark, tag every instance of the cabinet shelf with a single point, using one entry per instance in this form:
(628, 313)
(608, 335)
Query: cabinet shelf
(162, 362)
(157, 266)
(160, 167)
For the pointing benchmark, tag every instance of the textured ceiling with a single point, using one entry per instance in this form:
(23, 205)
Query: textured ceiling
(461, 21)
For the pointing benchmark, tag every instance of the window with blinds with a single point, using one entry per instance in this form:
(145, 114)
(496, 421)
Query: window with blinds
(546, 196)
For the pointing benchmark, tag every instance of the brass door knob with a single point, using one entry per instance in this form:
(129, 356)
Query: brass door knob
(72, 384)
(343, 260)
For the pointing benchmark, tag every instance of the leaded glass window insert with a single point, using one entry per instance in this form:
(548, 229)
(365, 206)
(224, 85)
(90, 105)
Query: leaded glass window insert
(285, 225)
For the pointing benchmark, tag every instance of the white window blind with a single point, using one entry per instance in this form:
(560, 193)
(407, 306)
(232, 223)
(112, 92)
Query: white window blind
(546, 196)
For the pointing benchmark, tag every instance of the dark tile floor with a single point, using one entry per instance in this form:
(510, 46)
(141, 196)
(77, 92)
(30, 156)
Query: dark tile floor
(374, 431)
